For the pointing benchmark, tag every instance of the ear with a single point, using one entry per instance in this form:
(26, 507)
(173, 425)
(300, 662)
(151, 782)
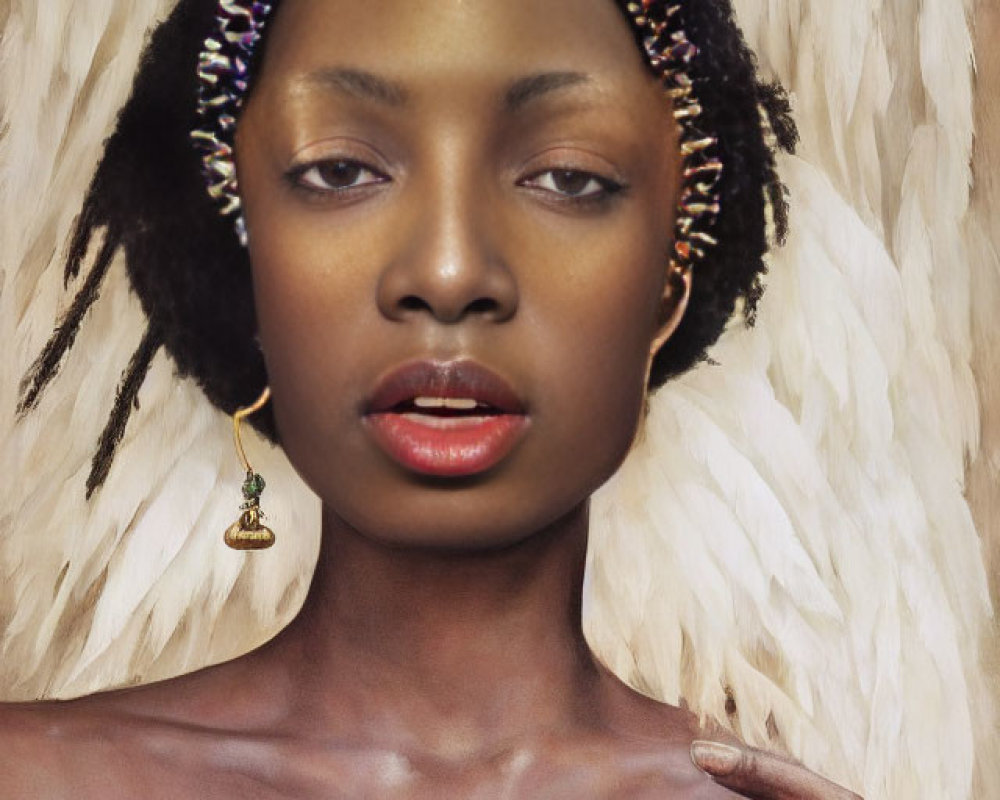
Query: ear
(673, 304)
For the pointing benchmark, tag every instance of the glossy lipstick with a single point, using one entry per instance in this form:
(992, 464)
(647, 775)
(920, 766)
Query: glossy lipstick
(449, 419)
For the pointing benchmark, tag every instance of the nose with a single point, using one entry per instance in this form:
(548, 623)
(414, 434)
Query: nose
(449, 267)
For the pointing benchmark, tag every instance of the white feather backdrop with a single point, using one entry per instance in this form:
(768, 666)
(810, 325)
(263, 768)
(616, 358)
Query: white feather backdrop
(984, 233)
(788, 549)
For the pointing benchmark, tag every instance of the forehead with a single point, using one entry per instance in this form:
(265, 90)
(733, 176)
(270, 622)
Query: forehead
(457, 44)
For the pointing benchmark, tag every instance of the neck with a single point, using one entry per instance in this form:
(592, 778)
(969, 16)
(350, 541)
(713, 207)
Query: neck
(447, 652)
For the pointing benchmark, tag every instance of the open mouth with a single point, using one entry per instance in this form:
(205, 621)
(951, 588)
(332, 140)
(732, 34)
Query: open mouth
(443, 411)
(446, 419)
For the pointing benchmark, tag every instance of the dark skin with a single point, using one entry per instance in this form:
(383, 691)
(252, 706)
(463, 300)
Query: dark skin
(502, 188)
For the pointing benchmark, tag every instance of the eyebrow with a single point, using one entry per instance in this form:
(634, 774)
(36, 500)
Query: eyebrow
(535, 86)
(361, 84)
(369, 86)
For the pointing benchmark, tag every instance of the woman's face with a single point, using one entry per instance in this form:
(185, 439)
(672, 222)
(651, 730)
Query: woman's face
(459, 216)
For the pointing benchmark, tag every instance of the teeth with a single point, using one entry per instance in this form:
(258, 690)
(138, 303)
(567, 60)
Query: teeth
(457, 403)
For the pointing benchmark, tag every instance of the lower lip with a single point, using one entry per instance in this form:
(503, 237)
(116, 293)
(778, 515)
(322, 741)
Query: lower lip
(447, 446)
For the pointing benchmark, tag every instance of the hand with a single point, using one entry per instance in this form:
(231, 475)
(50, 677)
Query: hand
(763, 776)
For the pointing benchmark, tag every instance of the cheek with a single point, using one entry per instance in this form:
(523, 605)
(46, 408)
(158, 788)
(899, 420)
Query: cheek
(314, 303)
(320, 335)
(597, 323)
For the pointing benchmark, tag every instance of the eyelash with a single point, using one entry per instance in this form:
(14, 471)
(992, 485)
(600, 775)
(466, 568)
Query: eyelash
(604, 189)
(297, 176)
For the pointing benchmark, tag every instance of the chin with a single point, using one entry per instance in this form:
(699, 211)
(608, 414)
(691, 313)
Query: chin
(467, 515)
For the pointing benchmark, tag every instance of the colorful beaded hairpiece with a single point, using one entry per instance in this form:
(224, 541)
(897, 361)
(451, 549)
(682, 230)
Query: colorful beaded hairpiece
(223, 80)
(224, 75)
(670, 54)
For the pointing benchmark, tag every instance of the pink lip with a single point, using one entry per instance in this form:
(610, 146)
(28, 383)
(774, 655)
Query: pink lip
(449, 446)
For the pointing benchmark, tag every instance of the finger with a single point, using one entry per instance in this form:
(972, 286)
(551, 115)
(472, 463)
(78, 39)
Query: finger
(764, 776)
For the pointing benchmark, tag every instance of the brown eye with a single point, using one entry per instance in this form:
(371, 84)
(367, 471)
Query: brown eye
(572, 184)
(337, 176)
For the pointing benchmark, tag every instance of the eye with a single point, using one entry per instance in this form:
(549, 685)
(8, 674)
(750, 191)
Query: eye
(573, 184)
(335, 175)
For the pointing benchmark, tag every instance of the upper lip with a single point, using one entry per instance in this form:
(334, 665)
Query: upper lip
(450, 379)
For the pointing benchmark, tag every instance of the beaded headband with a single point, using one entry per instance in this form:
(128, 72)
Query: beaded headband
(223, 80)
(670, 54)
(224, 77)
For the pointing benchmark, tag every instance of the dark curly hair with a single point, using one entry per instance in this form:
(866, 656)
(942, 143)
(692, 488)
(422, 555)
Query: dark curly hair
(191, 276)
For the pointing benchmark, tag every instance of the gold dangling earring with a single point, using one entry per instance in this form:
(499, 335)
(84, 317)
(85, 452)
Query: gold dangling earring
(247, 533)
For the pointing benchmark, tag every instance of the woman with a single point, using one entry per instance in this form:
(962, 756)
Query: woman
(439, 231)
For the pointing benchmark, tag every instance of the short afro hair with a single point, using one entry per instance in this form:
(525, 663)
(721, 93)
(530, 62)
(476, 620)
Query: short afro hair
(192, 277)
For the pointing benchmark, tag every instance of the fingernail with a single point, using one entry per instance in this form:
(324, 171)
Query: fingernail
(716, 759)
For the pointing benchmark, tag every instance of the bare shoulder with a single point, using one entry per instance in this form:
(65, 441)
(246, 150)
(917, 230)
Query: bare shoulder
(39, 746)
(647, 745)
(144, 742)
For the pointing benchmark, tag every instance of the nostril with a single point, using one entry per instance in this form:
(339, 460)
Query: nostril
(413, 303)
(484, 305)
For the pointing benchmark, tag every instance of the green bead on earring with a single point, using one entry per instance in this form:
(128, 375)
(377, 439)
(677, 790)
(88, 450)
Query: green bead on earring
(247, 533)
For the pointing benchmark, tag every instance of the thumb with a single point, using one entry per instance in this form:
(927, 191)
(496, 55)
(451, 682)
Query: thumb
(755, 773)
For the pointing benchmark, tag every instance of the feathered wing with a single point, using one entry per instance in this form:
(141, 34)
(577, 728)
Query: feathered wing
(787, 549)
(983, 230)
(135, 583)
